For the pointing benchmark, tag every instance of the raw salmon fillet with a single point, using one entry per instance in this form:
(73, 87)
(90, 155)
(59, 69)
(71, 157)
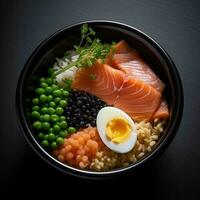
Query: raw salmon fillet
(101, 80)
(138, 69)
(162, 111)
(129, 61)
(138, 99)
(113, 86)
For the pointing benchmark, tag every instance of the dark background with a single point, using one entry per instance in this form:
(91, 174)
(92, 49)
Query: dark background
(174, 24)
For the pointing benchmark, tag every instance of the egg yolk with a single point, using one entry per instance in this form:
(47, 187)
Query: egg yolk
(118, 130)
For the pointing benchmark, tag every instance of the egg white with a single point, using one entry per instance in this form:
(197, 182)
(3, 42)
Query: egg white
(105, 115)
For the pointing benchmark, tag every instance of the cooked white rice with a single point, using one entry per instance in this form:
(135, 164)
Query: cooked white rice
(64, 62)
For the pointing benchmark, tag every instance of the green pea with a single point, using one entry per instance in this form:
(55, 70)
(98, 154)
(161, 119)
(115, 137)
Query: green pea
(65, 93)
(51, 130)
(44, 110)
(42, 80)
(51, 110)
(42, 118)
(57, 93)
(71, 130)
(59, 110)
(63, 134)
(37, 125)
(46, 137)
(35, 101)
(55, 87)
(40, 136)
(63, 124)
(54, 118)
(56, 128)
(54, 145)
(57, 123)
(35, 115)
(35, 108)
(59, 140)
(40, 91)
(46, 118)
(48, 90)
(43, 85)
(49, 98)
(45, 143)
(43, 98)
(45, 126)
(62, 118)
(63, 103)
(52, 104)
(49, 81)
(57, 100)
(51, 137)
(50, 71)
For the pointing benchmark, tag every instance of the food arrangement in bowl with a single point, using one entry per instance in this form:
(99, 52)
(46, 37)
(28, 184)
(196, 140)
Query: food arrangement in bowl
(99, 107)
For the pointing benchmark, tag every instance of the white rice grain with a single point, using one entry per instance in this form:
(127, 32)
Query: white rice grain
(64, 62)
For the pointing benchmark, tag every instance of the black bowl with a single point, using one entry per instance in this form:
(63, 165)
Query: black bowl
(55, 46)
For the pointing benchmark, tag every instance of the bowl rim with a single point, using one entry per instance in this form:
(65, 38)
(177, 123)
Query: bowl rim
(105, 174)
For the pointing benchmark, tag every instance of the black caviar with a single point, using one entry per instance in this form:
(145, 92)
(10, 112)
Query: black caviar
(82, 109)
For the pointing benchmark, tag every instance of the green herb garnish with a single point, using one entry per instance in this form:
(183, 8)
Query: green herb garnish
(92, 76)
(68, 84)
(89, 50)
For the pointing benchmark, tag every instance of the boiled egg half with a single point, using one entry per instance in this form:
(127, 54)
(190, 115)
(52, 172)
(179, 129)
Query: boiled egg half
(116, 129)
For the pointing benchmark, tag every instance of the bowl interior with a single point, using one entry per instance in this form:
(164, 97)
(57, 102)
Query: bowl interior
(57, 44)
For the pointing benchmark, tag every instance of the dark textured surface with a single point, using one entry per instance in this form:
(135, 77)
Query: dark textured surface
(174, 24)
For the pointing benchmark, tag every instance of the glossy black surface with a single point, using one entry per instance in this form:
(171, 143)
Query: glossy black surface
(174, 24)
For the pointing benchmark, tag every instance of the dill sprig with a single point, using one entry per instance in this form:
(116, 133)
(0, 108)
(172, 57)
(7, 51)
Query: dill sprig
(89, 50)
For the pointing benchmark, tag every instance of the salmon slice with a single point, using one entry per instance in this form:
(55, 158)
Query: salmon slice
(113, 86)
(101, 80)
(138, 99)
(123, 53)
(129, 61)
(122, 47)
(163, 111)
(138, 69)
